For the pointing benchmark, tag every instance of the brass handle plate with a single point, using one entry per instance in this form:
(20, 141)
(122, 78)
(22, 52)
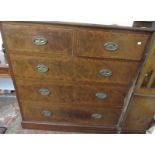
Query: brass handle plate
(44, 91)
(105, 72)
(96, 116)
(39, 40)
(101, 95)
(41, 68)
(111, 46)
(46, 113)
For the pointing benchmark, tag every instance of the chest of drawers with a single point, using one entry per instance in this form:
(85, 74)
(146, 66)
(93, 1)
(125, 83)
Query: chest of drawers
(71, 77)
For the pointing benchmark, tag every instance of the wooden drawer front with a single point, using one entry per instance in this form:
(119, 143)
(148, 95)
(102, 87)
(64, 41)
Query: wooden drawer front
(62, 93)
(74, 69)
(140, 113)
(29, 67)
(129, 45)
(18, 37)
(71, 115)
(105, 71)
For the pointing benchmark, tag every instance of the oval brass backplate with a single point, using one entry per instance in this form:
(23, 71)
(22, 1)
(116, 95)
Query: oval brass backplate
(101, 95)
(96, 116)
(41, 68)
(39, 40)
(46, 113)
(44, 91)
(111, 46)
(105, 72)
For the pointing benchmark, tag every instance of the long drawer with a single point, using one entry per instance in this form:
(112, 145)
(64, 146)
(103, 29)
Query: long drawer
(36, 38)
(119, 44)
(75, 69)
(70, 115)
(76, 94)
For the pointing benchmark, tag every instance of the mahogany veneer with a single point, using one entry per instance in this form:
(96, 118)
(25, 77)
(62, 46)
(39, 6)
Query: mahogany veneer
(76, 78)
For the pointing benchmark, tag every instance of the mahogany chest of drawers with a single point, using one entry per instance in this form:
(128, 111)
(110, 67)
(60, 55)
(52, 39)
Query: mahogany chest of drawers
(75, 78)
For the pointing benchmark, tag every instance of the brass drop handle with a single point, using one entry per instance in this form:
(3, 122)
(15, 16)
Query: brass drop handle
(101, 95)
(111, 46)
(41, 68)
(46, 113)
(96, 116)
(44, 91)
(105, 72)
(39, 40)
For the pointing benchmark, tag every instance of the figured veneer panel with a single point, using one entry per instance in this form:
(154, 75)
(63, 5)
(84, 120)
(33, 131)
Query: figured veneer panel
(131, 45)
(75, 94)
(18, 37)
(75, 69)
(26, 67)
(71, 115)
(122, 72)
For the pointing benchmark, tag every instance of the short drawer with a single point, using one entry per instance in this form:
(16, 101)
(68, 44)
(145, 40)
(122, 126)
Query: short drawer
(70, 115)
(47, 39)
(63, 93)
(111, 44)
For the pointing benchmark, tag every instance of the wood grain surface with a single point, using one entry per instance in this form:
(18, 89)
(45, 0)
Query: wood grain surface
(75, 55)
(70, 115)
(74, 94)
(140, 113)
(74, 69)
(131, 45)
